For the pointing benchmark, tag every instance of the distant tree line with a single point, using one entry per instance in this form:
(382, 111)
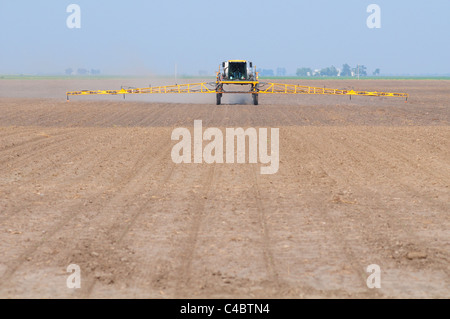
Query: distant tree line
(81, 71)
(265, 72)
(346, 70)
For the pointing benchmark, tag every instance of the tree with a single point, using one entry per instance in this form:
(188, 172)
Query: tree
(304, 72)
(346, 70)
(69, 71)
(266, 72)
(81, 71)
(281, 72)
(376, 72)
(333, 71)
(330, 71)
(360, 70)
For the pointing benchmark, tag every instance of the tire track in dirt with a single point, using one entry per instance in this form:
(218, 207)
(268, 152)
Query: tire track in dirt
(405, 157)
(43, 146)
(119, 117)
(113, 151)
(165, 210)
(187, 253)
(15, 131)
(438, 144)
(60, 157)
(166, 109)
(126, 228)
(115, 117)
(401, 233)
(13, 114)
(229, 226)
(112, 232)
(268, 256)
(14, 265)
(334, 225)
(373, 238)
(190, 244)
(140, 165)
(7, 168)
(19, 144)
(119, 230)
(145, 118)
(404, 228)
(388, 157)
(389, 162)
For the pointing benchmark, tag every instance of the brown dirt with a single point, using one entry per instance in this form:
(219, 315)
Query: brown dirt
(91, 182)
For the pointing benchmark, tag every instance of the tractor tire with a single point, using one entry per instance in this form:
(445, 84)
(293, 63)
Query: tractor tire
(218, 98)
(255, 98)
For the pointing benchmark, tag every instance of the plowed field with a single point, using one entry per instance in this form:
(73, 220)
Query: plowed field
(91, 182)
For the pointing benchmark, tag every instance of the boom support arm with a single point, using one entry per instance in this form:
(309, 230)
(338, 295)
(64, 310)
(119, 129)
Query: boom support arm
(277, 88)
(179, 88)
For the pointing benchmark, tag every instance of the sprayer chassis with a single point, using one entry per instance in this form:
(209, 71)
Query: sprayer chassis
(220, 89)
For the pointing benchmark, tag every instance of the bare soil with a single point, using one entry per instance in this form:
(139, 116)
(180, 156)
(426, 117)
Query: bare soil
(91, 182)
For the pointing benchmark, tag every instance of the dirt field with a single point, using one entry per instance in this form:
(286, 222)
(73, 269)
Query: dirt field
(91, 182)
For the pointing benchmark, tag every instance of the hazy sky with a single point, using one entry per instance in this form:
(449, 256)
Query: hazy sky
(150, 37)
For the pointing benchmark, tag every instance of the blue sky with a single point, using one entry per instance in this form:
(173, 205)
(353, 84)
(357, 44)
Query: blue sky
(150, 37)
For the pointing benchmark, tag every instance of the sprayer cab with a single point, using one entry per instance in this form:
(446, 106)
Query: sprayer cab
(237, 70)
